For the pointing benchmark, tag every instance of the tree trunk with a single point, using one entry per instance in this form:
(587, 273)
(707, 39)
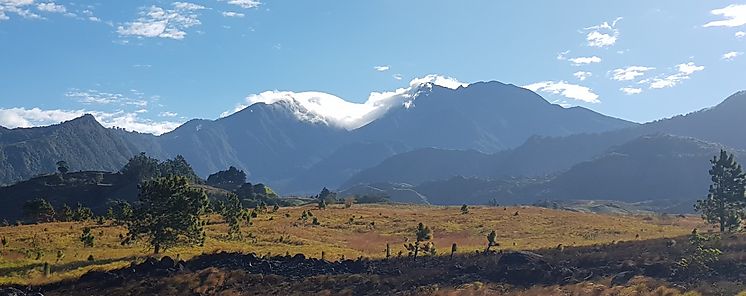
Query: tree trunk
(157, 249)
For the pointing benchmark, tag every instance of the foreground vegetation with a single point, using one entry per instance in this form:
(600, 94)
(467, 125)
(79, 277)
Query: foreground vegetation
(361, 230)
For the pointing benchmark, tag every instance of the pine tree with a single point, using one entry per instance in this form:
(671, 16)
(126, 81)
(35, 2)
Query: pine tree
(168, 214)
(232, 213)
(464, 209)
(82, 213)
(725, 204)
(39, 210)
(87, 237)
(422, 234)
(141, 167)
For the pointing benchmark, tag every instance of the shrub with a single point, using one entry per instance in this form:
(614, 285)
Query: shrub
(87, 237)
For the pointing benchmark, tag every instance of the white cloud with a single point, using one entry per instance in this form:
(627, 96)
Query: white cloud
(18, 7)
(245, 3)
(629, 73)
(740, 34)
(22, 117)
(570, 91)
(603, 35)
(689, 68)
(187, 6)
(729, 56)
(585, 60)
(631, 90)
(51, 7)
(582, 75)
(90, 97)
(333, 110)
(168, 114)
(734, 16)
(382, 68)
(397, 76)
(683, 73)
(164, 23)
(563, 55)
(232, 14)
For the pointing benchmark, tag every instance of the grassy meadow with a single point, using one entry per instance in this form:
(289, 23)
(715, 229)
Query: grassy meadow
(362, 230)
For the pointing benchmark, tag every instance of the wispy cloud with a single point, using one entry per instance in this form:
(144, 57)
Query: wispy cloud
(397, 76)
(740, 34)
(603, 35)
(568, 90)
(233, 14)
(91, 97)
(729, 56)
(582, 75)
(629, 73)
(245, 3)
(51, 7)
(631, 90)
(164, 23)
(584, 60)
(17, 7)
(684, 71)
(168, 114)
(733, 16)
(382, 68)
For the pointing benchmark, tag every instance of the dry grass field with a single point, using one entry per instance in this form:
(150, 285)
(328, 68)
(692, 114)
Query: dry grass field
(362, 230)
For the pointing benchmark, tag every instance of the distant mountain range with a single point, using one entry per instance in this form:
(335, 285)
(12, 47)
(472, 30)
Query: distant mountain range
(281, 143)
(441, 145)
(644, 162)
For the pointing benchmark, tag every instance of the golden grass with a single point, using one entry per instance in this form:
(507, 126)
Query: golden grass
(372, 227)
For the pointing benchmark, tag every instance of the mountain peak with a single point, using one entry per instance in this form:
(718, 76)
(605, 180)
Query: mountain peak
(84, 119)
(736, 100)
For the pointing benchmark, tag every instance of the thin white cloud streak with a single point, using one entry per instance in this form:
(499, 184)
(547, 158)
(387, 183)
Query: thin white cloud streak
(629, 73)
(684, 71)
(733, 16)
(232, 14)
(245, 3)
(382, 68)
(631, 90)
(567, 90)
(585, 60)
(729, 56)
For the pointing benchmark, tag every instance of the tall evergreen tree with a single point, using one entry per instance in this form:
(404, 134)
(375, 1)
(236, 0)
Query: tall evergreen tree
(178, 167)
(141, 167)
(230, 179)
(82, 213)
(65, 214)
(725, 204)
(39, 210)
(168, 214)
(232, 213)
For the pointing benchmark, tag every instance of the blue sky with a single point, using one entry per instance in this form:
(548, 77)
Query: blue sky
(151, 65)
